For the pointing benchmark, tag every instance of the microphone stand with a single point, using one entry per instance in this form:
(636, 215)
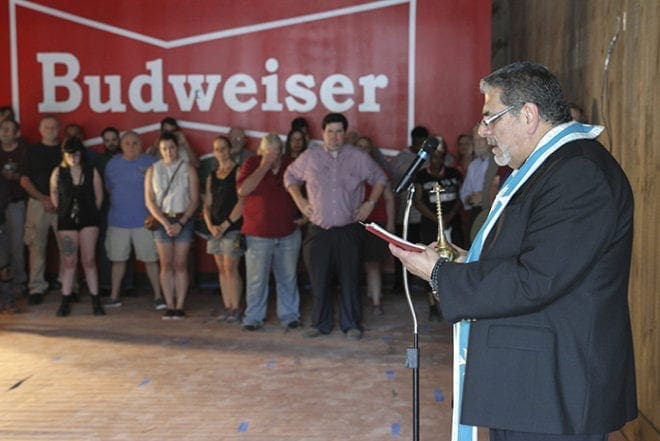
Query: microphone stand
(412, 353)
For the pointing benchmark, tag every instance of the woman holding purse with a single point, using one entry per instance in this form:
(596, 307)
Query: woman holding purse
(171, 194)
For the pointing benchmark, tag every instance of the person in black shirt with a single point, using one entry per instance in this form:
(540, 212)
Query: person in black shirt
(76, 191)
(7, 301)
(426, 201)
(40, 160)
(450, 180)
(223, 216)
(12, 159)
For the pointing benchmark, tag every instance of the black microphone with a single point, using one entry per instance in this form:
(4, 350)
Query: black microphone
(428, 148)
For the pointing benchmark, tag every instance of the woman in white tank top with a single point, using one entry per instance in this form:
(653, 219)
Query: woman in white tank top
(171, 195)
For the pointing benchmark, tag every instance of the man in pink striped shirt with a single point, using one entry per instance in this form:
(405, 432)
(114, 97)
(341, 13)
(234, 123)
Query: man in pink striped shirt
(334, 177)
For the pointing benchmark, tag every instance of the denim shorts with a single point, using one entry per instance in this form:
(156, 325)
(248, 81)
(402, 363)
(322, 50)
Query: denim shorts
(227, 245)
(186, 234)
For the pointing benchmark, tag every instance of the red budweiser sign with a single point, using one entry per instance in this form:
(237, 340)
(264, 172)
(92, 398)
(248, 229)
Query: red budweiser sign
(255, 64)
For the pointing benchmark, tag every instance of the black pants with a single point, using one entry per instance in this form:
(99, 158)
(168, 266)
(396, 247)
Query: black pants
(508, 435)
(336, 249)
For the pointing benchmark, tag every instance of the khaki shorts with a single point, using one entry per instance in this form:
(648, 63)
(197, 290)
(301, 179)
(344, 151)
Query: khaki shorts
(118, 243)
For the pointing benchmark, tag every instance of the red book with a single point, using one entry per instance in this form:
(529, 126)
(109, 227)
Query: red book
(392, 238)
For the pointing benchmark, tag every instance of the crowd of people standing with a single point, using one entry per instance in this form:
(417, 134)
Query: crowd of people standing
(542, 293)
(294, 197)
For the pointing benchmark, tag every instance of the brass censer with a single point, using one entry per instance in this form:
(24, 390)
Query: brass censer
(442, 246)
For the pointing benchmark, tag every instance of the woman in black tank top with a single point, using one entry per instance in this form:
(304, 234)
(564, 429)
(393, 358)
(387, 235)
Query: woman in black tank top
(76, 191)
(223, 216)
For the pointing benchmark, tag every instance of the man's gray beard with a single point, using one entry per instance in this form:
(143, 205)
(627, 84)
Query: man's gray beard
(504, 158)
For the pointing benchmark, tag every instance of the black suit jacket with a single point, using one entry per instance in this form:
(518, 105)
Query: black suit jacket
(551, 348)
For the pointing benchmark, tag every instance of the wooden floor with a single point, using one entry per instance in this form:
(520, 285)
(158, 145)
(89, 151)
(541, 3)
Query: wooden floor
(132, 376)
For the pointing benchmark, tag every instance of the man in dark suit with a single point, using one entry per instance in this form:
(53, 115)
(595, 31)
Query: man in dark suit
(544, 287)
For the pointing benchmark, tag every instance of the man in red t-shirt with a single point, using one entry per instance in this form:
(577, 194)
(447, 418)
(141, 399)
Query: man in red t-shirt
(270, 225)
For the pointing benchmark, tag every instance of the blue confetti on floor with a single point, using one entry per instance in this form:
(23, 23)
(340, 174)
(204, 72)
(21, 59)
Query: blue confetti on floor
(385, 339)
(270, 363)
(243, 427)
(396, 429)
(439, 396)
(390, 375)
(58, 358)
(144, 382)
(185, 342)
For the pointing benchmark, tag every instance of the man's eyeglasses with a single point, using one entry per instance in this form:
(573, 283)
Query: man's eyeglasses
(489, 120)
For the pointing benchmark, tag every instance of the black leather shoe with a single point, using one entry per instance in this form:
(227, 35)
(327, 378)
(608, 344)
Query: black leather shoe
(65, 307)
(250, 327)
(97, 308)
(35, 298)
(293, 325)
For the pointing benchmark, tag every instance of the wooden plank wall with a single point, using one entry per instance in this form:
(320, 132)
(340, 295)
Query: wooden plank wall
(574, 38)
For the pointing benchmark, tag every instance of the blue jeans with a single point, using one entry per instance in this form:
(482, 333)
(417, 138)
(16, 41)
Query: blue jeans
(282, 255)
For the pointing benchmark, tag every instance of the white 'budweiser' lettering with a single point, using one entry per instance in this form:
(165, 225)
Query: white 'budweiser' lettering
(145, 91)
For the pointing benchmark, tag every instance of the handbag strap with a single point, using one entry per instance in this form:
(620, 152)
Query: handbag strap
(169, 184)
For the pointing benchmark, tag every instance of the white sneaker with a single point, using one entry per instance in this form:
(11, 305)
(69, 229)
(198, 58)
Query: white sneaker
(159, 304)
